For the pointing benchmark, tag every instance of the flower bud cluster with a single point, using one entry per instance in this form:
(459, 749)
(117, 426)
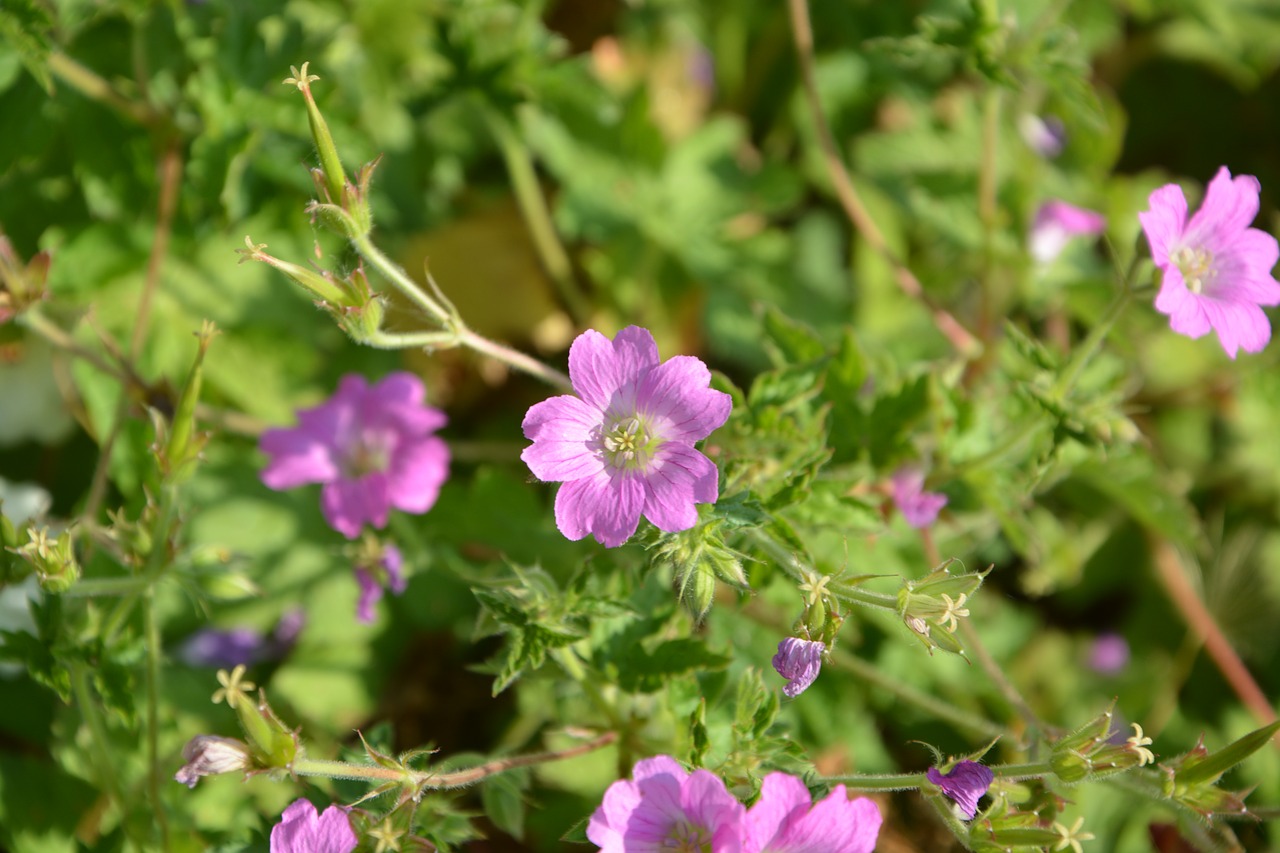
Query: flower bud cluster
(1091, 753)
(1192, 779)
(698, 557)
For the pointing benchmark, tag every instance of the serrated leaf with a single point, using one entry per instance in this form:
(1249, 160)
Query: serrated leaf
(502, 798)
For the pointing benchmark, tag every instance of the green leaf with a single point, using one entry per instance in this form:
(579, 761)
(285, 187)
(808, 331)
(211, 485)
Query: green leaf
(641, 671)
(502, 798)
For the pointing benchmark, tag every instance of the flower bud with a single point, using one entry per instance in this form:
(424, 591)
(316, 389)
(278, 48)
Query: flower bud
(698, 558)
(210, 755)
(1192, 779)
(183, 446)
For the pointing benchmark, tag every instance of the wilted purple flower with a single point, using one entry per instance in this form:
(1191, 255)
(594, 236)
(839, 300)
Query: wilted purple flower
(1109, 654)
(665, 807)
(373, 448)
(798, 661)
(302, 830)
(225, 648)
(1216, 269)
(918, 507)
(387, 572)
(624, 446)
(209, 755)
(1055, 225)
(965, 785)
(1046, 136)
(782, 820)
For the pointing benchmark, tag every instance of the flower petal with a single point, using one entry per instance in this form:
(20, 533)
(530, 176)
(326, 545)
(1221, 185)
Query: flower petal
(348, 504)
(416, 473)
(1243, 271)
(1186, 317)
(676, 402)
(297, 459)
(565, 435)
(600, 369)
(1163, 223)
(781, 796)
(1229, 205)
(678, 478)
(606, 505)
(1240, 325)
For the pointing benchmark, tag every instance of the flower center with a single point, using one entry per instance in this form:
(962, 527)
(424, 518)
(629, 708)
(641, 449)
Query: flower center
(367, 455)
(629, 444)
(1196, 266)
(688, 839)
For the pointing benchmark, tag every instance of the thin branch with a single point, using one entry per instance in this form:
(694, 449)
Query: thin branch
(961, 339)
(1173, 577)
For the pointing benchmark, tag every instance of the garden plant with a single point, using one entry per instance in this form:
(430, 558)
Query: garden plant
(665, 425)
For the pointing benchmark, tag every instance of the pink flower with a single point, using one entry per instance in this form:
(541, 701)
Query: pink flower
(388, 571)
(373, 448)
(665, 807)
(798, 661)
(782, 821)
(624, 446)
(301, 830)
(1109, 654)
(965, 785)
(1055, 225)
(918, 507)
(1217, 270)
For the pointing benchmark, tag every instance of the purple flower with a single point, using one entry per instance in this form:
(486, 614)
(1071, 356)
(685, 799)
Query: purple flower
(798, 661)
(225, 648)
(624, 446)
(388, 571)
(301, 830)
(1217, 270)
(372, 447)
(965, 785)
(918, 507)
(1046, 136)
(1109, 654)
(1056, 223)
(782, 821)
(665, 807)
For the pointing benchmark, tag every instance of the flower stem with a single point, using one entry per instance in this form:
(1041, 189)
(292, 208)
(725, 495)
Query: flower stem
(155, 566)
(153, 718)
(436, 781)
(870, 782)
(973, 641)
(802, 29)
(455, 331)
(1089, 347)
(791, 565)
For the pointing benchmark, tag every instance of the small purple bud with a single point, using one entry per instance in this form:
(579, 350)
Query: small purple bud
(1046, 136)
(221, 648)
(798, 661)
(1109, 654)
(965, 785)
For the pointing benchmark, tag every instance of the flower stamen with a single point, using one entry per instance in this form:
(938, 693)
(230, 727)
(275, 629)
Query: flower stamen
(1196, 266)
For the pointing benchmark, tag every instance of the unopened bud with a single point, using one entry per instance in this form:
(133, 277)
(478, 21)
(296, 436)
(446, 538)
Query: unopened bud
(334, 175)
(182, 449)
(210, 755)
(339, 221)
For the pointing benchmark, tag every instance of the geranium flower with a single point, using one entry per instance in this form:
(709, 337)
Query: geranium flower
(373, 448)
(665, 807)
(1057, 223)
(965, 785)
(798, 661)
(918, 507)
(782, 820)
(302, 830)
(1216, 269)
(624, 446)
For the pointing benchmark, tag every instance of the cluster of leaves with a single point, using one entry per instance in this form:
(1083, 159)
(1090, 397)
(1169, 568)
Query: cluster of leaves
(150, 138)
